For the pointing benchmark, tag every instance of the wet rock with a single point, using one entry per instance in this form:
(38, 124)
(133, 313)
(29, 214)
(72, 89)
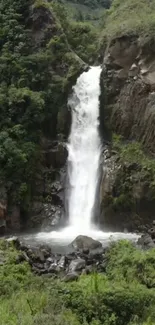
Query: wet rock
(57, 156)
(84, 242)
(36, 254)
(53, 268)
(77, 265)
(71, 276)
(46, 252)
(145, 241)
(52, 216)
(89, 269)
(85, 251)
(96, 253)
(39, 266)
(62, 263)
(152, 232)
(50, 260)
(14, 241)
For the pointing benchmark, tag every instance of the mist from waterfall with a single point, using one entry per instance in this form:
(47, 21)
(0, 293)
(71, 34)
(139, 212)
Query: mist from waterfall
(84, 149)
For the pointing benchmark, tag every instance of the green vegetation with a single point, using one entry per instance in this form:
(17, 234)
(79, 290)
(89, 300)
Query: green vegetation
(130, 17)
(93, 3)
(124, 294)
(81, 36)
(137, 171)
(38, 66)
(86, 10)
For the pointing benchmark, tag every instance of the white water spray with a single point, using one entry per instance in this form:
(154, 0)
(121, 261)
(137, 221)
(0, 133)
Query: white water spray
(84, 149)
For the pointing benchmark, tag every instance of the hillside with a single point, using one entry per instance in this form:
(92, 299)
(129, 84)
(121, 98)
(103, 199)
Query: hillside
(87, 10)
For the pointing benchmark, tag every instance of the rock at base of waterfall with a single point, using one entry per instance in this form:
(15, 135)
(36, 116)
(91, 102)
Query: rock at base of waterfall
(146, 242)
(77, 265)
(71, 276)
(84, 242)
(96, 252)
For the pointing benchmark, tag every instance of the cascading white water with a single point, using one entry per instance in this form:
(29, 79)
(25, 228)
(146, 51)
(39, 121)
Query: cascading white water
(84, 149)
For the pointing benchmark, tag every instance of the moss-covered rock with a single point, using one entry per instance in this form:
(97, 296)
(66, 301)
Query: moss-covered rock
(127, 189)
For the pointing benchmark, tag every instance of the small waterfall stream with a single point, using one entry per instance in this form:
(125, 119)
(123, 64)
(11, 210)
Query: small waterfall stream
(84, 149)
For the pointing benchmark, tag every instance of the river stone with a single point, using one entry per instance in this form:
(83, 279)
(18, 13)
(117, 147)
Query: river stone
(84, 242)
(77, 265)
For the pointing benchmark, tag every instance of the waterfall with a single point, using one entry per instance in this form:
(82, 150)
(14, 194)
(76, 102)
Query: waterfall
(84, 149)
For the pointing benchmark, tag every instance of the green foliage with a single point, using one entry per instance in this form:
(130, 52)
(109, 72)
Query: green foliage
(93, 3)
(32, 78)
(81, 36)
(83, 39)
(125, 294)
(131, 17)
(136, 168)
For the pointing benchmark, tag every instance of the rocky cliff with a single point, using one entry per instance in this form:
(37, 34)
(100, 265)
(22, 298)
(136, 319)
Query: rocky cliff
(128, 105)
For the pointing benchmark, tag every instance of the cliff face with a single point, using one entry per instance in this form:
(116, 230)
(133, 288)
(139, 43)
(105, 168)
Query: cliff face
(129, 83)
(128, 88)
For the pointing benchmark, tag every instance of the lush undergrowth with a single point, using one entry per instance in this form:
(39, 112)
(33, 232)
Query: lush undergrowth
(123, 295)
(137, 168)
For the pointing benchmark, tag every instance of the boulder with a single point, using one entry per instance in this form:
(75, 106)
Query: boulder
(84, 242)
(77, 265)
(96, 253)
(36, 255)
(72, 276)
(145, 241)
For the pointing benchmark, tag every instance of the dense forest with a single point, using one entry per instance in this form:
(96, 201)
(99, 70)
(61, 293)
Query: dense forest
(35, 74)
